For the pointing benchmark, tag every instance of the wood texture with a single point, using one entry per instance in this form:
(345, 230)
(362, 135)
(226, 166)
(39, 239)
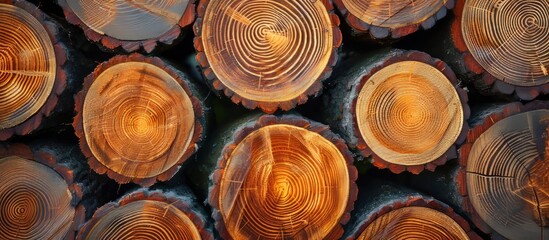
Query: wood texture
(38, 197)
(392, 19)
(503, 173)
(138, 119)
(32, 68)
(404, 109)
(146, 214)
(283, 177)
(130, 24)
(267, 54)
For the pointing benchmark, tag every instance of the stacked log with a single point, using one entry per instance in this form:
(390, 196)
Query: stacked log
(149, 214)
(402, 108)
(130, 25)
(138, 119)
(503, 171)
(392, 19)
(267, 54)
(281, 177)
(34, 68)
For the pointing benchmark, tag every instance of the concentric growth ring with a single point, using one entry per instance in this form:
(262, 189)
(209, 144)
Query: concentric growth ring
(283, 181)
(409, 113)
(414, 223)
(138, 118)
(393, 13)
(129, 20)
(27, 66)
(508, 166)
(144, 219)
(267, 51)
(35, 201)
(509, 39)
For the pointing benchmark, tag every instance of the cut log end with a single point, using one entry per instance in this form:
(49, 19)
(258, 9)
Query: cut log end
(284, 181)
(27, 66)
(138, 118)
(509, 39)
(35, 201)
(511, 157)
(268, 52)
(409, 113)
(415, 223)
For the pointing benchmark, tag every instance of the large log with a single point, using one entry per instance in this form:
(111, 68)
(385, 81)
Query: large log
(138, 119)
(503, 174)
(41, 191)
(387, 211)
(267, 54)
(150, 214)
(130, 25)
(405, 109)
(277, 177)
(36, 69)
(392, 19)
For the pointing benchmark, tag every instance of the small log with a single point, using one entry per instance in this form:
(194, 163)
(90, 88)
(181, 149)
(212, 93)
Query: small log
(392, 19)
(36, 68)
(503, 45)
(278, 177)
(41, 190)
(388, 212)
(147, 214)
(138, 119)
(503, 174)
(267, 54)
(402, 108)
(130, 25)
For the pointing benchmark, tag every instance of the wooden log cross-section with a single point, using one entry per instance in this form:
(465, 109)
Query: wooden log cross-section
(33, 64)
(504, 171)
(149, 214)
(39, 198)
(130, 24)
(282, 177)
(267, 54)
(504, 43)
(392, 19)
(138, 119)
(402, 108)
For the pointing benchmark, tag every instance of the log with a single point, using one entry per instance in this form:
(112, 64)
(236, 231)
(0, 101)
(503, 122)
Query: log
(391, 19)
(35, 69)
(149, 214)
(504, 45)
(266, 54)
(41, 191)
(138, 119)
(385, 211)
(503, 171)
(131, 25)
(278, 177)
(405, 109)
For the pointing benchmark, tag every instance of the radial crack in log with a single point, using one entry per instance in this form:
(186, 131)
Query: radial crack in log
(138, 119)
(267, 54)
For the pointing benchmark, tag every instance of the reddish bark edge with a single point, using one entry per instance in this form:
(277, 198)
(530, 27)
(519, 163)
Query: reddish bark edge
(50, 160)
(144, 194)
(487, 80)
(267, 120)
(148, 45)
(97, 166)
(451, 153)
(473, 134)
(267, 107)
(416, 201)
(376, 32)
(60, 84)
